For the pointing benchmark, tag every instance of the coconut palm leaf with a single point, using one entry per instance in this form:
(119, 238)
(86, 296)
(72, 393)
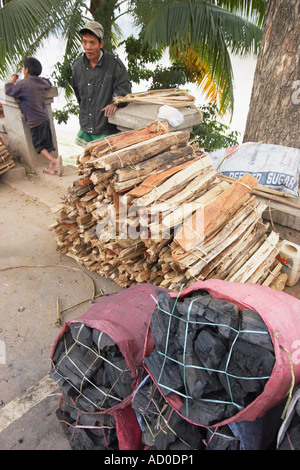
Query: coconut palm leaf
(210, 30)
(24, 24)
(198, 72)
(251, 9)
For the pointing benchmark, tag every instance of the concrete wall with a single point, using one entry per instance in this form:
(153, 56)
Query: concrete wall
(16, 133)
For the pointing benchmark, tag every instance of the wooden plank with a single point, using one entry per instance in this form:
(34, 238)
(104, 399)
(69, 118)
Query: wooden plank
(141, 151)
(251, 265)
(121, 140)
(204, 221)
(176, 217)
(158, 163)
(154, 180)
(181, 177)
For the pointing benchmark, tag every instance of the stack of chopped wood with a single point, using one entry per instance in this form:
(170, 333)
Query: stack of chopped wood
(170, 97)
(215, 358)
(148, 207)
(6, 159)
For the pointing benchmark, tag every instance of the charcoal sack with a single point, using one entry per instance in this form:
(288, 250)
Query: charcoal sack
(227, 369)
(97, 359)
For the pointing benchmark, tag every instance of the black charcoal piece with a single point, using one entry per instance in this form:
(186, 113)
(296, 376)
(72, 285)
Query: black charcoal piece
(62, 347)
(210, 349)
(119, 377)
(196, 379)
(166, 373)
(186, 335)
(248, 363)
(66, 386)
(101, 341)
(163, 321)
(164, 428)
(95, 399)
(191, 309)
(252, 322)
(203, 412)
(76, 425)
(81, 334)
(222, 439)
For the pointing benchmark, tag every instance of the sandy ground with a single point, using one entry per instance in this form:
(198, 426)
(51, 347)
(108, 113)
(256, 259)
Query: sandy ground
(37, 275)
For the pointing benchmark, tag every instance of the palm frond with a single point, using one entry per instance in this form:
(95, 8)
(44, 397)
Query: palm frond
(23, 23)
(210, 30)
(198, 73)
(253, 10)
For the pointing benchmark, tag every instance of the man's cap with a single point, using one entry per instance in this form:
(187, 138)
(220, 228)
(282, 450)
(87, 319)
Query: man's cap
(93, 27)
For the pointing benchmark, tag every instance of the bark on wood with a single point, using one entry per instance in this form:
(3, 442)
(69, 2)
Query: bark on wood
(219, 210)
(161, 162)
(139, 152)
(274, 106)
(108, 233)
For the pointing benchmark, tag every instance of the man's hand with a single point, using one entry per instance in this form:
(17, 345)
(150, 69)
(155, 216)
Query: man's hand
(14, 78)
(110, 109)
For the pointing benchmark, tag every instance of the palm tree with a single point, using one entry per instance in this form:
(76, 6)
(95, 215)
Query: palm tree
(25, 24)
(206, 32)
(198, 33)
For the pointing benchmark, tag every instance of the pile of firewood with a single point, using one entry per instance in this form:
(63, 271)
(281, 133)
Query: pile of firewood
(148, 207)
(6, 159)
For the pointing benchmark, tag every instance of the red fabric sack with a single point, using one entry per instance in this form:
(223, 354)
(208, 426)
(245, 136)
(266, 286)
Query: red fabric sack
(281, 314)
(124, 317)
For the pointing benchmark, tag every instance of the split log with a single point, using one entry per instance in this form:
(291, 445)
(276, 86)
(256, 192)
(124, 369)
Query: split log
(157, 178)
(161, 162)
(180, 214)
(230, 233)
(182, 177)
(270, 246)
(215, 214)
(118, 141)
(139, 152)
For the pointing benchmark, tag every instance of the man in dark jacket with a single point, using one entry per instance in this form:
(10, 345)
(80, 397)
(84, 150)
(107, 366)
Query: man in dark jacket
(97, 77)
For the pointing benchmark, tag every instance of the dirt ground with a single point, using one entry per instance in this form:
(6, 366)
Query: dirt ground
(32, 276)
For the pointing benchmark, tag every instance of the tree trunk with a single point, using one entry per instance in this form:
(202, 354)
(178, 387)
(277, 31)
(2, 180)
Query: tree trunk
(275, 102)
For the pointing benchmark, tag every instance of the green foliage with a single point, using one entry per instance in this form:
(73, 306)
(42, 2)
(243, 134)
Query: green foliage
(62, 115)
(62, 76)
(212, 134)
(168, 77)
(141, 56)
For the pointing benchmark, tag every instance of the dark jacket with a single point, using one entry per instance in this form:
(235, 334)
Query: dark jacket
(31, 91)
(95, 87)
